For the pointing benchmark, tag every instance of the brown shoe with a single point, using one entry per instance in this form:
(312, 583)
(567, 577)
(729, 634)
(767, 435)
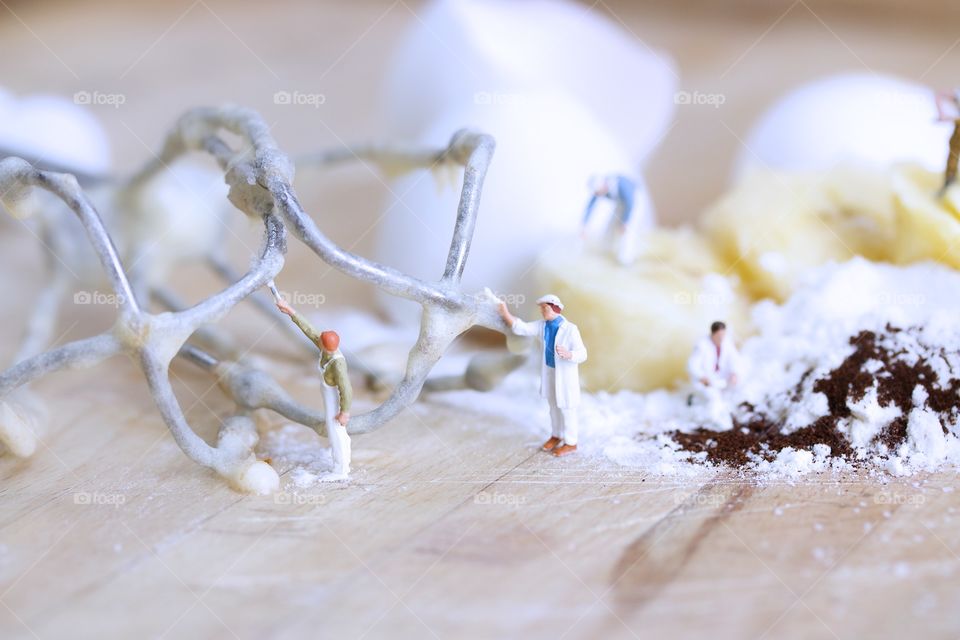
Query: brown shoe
(565, 450)
(550, 444)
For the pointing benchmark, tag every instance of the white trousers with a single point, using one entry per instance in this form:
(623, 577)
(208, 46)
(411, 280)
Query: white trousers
(564, 423)
(623, 245)
(336, 432)
(714, 407)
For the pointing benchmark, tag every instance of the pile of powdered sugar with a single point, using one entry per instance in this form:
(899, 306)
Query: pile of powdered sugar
(864, 358)
(860, 368)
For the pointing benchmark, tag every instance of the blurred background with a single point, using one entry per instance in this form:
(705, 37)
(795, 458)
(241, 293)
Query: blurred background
(165, 57)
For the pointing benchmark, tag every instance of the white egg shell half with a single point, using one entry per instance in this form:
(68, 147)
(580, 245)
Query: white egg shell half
(55, 130)
(548, 146)
(847, 118)
(462, 52)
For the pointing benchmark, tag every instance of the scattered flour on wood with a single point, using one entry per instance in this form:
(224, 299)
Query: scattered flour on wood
(860, 368)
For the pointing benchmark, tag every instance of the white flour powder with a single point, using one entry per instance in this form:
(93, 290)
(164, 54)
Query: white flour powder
(796, 345)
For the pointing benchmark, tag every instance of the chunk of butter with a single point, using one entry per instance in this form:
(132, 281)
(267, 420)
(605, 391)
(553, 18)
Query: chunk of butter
(773, 227)
(928, 225)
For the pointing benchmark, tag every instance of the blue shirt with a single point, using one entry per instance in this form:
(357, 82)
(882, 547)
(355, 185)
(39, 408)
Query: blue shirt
(622, 192)
(550, 329)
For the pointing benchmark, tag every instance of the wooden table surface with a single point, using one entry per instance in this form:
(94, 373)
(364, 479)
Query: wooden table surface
(451, 527)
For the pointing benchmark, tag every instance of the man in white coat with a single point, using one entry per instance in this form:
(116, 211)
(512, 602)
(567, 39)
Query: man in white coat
(563, 351)
(714, 366)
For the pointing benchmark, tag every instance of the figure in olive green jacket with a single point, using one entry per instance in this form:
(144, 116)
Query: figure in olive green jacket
(337, 392)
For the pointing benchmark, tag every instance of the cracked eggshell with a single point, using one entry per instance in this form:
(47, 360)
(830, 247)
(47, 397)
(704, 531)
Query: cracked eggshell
(849, 118)
(533, 196)
(464, 52)
(53, 129)
(567, 94)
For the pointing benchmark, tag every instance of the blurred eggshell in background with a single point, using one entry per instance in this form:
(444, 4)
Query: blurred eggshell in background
(567, 94)
(534, 194)
(54, 130)
(848, 118)
(459, 52)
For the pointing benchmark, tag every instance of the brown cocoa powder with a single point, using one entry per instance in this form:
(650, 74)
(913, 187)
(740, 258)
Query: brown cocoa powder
(896, 379)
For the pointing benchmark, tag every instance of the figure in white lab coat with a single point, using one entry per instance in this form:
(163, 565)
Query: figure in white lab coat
(714, 366)
(563, 351)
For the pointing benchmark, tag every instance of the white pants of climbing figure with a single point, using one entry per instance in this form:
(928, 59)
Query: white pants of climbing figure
(336, 432)
(564, 423)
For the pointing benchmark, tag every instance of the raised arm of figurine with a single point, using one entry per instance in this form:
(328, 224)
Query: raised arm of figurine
(518, 326)
(301, 322)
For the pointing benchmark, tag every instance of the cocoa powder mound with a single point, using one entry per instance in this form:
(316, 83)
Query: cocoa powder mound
(896, 377)
(761, 438)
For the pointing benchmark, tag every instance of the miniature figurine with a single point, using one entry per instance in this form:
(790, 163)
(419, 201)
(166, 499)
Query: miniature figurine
(563, 351)
(337, 392)
(622, 227)
(948, 110)
(714, 366)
